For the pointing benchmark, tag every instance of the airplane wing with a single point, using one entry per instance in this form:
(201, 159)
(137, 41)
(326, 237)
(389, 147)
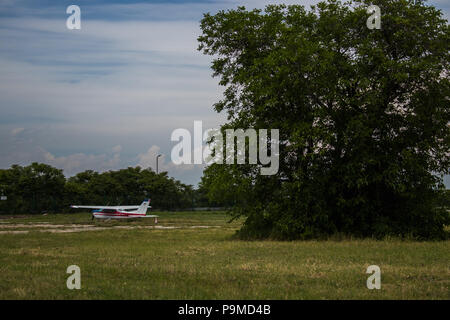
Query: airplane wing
(106, 207)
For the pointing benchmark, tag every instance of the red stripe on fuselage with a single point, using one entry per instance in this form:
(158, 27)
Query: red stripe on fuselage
(118, 214)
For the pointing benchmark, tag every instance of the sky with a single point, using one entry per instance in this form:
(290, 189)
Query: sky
(110, 95)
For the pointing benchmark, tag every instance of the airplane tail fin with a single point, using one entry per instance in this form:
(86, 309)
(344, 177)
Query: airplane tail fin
(143, 207)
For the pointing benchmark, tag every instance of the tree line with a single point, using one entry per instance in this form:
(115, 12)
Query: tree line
(39, 188)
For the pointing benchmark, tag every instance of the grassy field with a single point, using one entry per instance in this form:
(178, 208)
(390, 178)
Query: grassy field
(186, 260)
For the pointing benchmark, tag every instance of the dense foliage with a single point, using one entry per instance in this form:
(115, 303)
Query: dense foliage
(363, 117)
(39, 188)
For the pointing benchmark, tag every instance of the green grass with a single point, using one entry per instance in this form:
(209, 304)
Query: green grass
(189, 263)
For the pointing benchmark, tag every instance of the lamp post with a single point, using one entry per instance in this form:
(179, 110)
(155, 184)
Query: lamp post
(157, 158)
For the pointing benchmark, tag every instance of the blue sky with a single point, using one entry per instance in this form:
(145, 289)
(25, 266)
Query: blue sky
(109, 95)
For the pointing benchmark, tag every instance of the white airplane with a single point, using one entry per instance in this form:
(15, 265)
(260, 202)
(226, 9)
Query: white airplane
(119, 212)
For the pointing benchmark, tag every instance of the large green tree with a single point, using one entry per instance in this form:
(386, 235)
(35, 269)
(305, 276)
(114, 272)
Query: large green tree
(363, 117)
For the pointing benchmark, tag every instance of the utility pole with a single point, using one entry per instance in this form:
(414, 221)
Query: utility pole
(157, 158)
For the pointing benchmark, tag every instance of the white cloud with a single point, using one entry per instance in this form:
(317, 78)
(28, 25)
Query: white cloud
(79, 162)
(17, 131)
(148, 160)
(189, 174)
(117, 149)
